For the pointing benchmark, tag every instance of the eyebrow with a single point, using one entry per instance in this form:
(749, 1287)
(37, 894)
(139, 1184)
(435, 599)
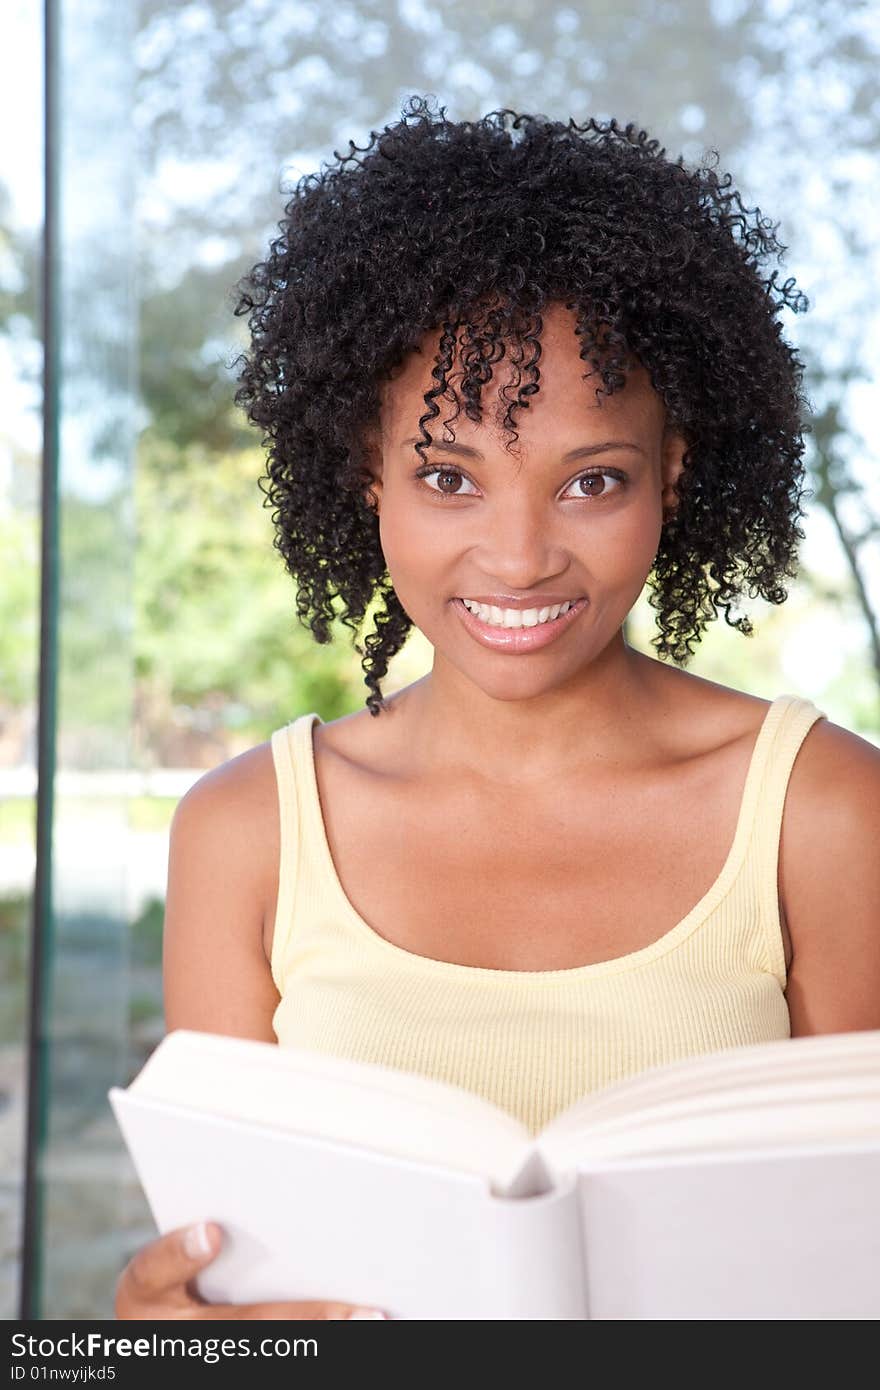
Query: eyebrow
(584, 451)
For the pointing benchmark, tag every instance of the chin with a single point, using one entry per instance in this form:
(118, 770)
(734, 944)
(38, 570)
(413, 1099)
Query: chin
(522, 683)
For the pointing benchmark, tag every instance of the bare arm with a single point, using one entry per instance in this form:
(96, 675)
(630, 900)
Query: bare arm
(830, 882)
(223, 850)
(223, 854)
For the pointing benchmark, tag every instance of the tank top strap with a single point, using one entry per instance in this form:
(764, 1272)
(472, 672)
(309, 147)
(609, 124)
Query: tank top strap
(786, 725)
(291, 750)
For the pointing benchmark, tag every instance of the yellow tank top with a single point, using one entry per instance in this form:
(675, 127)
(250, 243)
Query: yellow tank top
(534, 1041)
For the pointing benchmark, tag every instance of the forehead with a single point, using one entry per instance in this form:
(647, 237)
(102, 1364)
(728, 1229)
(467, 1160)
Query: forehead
(565, 402)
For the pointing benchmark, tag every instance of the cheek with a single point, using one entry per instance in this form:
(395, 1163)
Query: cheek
(416, 536)
(626, 544)
(415, 552)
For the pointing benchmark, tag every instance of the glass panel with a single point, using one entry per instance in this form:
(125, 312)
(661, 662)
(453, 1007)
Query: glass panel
(83, 1031)
(21, 212)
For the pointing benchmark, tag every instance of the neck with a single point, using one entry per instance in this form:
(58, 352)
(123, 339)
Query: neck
(452, 724)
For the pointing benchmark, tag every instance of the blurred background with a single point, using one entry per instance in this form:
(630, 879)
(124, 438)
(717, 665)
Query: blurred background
(144, 615)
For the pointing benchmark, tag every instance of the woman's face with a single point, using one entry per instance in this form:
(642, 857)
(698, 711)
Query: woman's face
(572, 512)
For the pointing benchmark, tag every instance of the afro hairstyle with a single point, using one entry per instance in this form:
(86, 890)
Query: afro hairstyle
(472, 228)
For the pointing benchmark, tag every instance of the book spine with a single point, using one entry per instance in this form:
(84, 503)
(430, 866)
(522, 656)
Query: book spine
(534, 1266)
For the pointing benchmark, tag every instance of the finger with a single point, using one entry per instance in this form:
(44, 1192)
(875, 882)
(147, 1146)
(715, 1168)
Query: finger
(160, 1270)
(306, 1311)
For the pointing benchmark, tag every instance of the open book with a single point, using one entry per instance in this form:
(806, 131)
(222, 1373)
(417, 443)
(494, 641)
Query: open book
(736, 1184)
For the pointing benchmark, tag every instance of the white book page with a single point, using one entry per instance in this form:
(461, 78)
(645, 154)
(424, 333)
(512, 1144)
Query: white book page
(306, 1217)
(758, 1235)
(391, 1111)
(812, 1088)
(787, 1071)
(832, 1120)
(834, 1108)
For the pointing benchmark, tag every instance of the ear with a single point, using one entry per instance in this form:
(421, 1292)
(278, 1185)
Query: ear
(371, 469)
(672, 467)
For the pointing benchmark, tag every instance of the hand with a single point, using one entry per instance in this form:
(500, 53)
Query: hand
(158, 1283)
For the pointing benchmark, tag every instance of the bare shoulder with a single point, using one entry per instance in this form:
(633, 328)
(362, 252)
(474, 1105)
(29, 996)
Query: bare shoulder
(829, 750)
(830, 881)
(833, 800)
(245, 783)
(234, 805)
(216, 977)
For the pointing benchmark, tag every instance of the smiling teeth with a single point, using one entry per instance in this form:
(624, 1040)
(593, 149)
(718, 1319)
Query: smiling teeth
(516, 617)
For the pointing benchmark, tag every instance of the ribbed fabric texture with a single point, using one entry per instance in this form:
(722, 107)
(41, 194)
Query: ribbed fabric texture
(534, 1041)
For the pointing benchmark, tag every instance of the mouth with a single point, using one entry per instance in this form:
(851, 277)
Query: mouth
(517, 630)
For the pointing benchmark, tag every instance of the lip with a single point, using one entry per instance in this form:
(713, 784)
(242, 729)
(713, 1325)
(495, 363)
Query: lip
(507, 601)
(517, 639)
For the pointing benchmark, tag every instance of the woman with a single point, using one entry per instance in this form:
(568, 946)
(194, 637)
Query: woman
(509, 371)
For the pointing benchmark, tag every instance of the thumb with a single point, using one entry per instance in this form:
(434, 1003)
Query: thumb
(201, 1241)
(159, 1272)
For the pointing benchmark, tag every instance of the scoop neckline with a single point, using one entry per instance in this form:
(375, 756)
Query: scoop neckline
(302, 730)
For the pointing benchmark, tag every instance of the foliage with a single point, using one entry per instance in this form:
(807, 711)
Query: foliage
(19, 605)
(15, 922)
(214, 610)
(146, 934)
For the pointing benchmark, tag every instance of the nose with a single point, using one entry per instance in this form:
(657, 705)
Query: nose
(520, 546)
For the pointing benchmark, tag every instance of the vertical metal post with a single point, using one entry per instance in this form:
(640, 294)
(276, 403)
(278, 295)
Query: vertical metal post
(42, 920)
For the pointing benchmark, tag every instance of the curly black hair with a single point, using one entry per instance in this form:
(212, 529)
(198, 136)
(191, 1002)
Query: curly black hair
(472, 227)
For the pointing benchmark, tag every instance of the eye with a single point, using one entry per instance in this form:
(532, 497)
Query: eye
(451, 482)
(598, 476)
(446, 476)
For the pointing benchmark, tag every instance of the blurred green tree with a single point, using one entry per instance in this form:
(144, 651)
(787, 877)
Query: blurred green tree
(215, 610)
